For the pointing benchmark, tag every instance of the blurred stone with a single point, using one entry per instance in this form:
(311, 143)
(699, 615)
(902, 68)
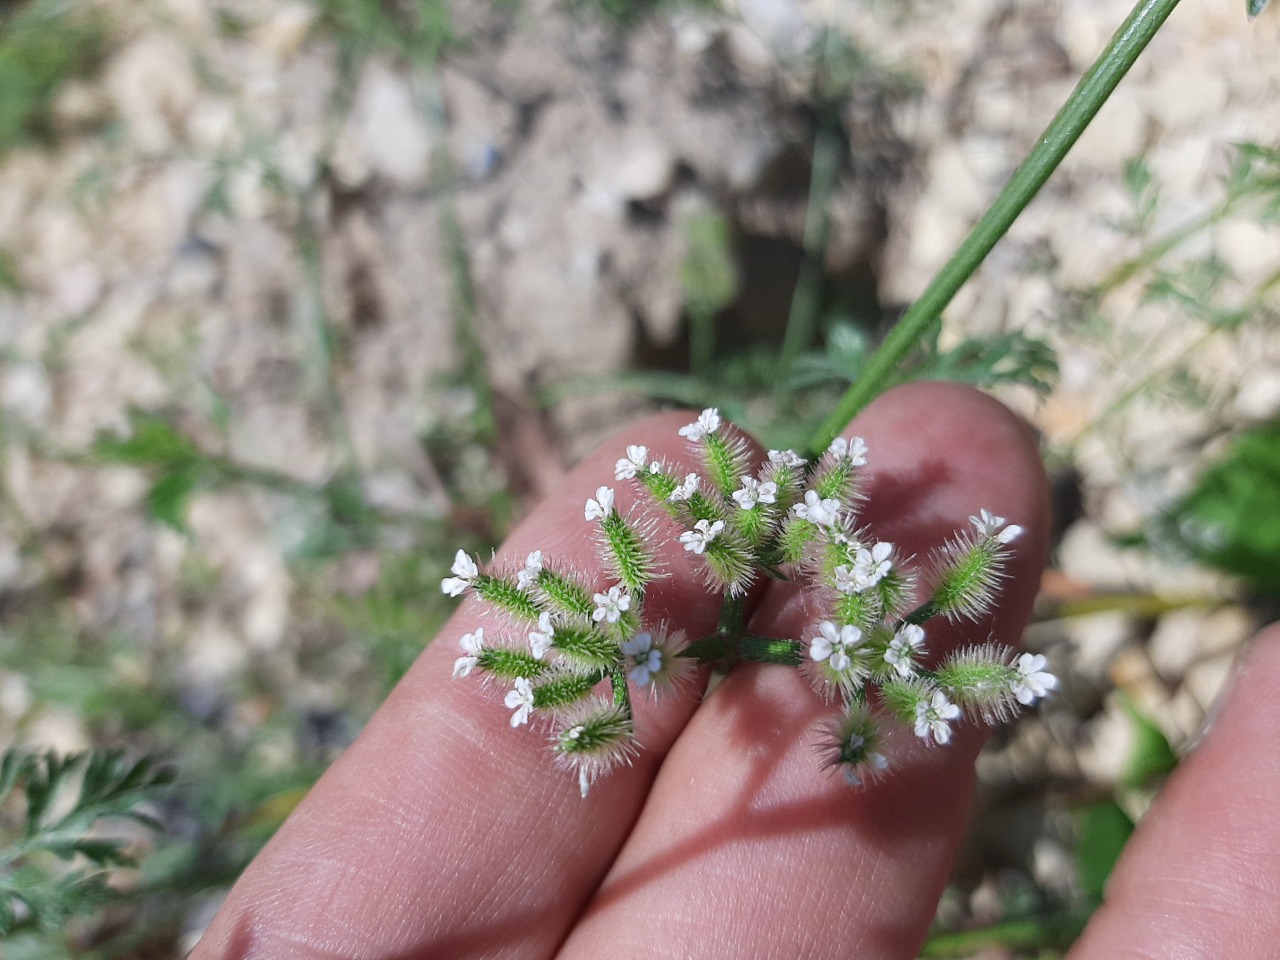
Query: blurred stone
(283, 32)
(384, 135)
(643, 170)
(1252, 248)
(26, 392)
(154, 88)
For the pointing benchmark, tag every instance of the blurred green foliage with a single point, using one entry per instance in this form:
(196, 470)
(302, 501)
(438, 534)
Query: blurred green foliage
(418, 30)
(43, 43)
(1231, 517)
(56, 856)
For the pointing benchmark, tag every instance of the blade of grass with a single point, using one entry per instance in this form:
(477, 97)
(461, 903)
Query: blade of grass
(1058, 138)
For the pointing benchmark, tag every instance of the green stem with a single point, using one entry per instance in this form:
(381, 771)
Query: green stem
(827, 147)
(771, 650)
(733, 612)
(711, 649)
(702, 340)
(1058, 138)
(621, 695)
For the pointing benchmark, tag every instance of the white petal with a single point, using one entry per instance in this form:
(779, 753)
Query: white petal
(1009, 533)
(464, 566)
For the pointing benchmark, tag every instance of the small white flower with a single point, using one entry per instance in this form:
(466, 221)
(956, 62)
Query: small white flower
(786, 458)
(645, 658)
(635, 460)
(872, 566)
(702, 534)
(933, 718)
(835, 644)
(708, 422)
(610, 606)
(601, 506)
(824, 513)
(854, 449)
(989, 525)
(521, 701)
(464, 572)
(753, 492)
(857, 454)
(527, 577)
(540, 639)
(903, 647)
(686, 488)
(1033, 682)
(869, 568)
(472, 646)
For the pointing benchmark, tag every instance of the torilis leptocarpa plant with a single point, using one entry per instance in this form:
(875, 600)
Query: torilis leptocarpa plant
(555, 642)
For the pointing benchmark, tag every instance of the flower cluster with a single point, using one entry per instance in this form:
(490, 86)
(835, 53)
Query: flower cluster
(559, 640)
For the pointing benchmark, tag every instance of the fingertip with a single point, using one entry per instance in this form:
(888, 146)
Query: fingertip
(1199, 877)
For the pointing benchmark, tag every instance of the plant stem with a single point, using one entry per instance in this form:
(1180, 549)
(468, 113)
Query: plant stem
(702, 340)
(1058, 138)
(827, 145)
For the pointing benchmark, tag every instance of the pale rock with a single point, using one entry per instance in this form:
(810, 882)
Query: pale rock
(780, 24)
(77, 288)
(693, 34)
(1258, 394)
(282, 34)
(15, 695)
(79, 103)
(57, 730)
(57, 239)
(385, 135)
(1109, 745)
(954, 184)
(644, 170)
(1082, 34)
(213, 655)
(1251, 248)
(1182, 167)
(212, 126)
(246, 193)
(393, 491)
(749, 161)
(298, 156)
(154, 89)
(749, 51)
(1178, 641)
(26, 392)
(193, 15)
(1209, 679)
(1117, 134)
(267, 586)
(1183, 98)
(585, 264)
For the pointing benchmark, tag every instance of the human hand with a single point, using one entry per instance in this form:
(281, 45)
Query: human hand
(443, 833)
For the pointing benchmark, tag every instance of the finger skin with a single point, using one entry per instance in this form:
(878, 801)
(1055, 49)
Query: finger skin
(747, 848)
(1201, 876)
(442, 832)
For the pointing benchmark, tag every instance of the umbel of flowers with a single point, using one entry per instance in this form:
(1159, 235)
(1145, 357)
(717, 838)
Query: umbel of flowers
(569, 653)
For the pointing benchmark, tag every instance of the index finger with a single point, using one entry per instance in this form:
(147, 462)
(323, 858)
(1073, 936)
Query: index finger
(441, 831)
